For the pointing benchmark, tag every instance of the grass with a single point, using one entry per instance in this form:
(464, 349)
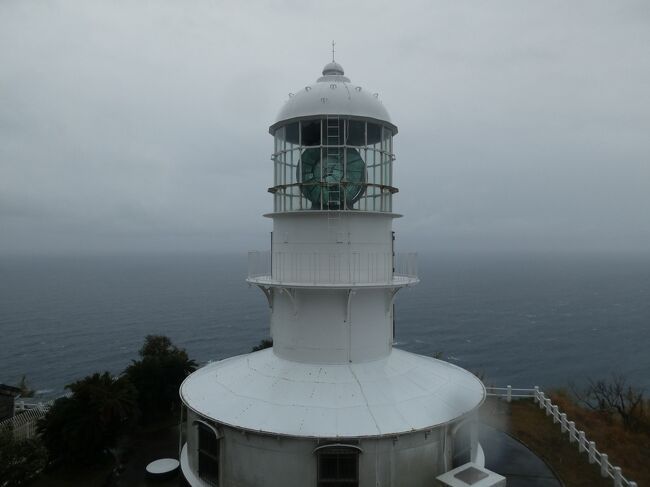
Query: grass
(524, 420)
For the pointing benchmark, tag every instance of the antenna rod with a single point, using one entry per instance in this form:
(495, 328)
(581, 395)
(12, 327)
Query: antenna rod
(333, 44)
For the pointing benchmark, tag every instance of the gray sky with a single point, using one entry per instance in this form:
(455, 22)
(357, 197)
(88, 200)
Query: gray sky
(142, 126)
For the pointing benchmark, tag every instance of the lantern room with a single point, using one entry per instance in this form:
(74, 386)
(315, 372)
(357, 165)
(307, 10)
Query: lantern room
(340, 159)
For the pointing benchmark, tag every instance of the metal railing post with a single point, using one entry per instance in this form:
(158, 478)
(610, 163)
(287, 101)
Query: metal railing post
(604, 465)
(509, 396)
(549, 406)
(563, 422)
(556, 414)
(592, 452)
(572, 431)
(582, 440)
(618, 477)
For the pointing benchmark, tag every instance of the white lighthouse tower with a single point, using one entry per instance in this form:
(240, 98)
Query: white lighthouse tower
(332, 403)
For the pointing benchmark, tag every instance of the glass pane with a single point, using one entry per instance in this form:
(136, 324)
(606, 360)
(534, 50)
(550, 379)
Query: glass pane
(208, 455)
(292, 133)
(374, 133)
(348, 467)
(338, 467)
(339, 191)
(328, 467)
(311, 132)
(356, 133)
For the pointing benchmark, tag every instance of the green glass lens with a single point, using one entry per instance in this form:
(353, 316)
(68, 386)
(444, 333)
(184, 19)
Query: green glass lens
(335, 189)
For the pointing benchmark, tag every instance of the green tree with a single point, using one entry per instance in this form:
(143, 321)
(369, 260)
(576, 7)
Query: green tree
(158, 374)
(21, 461)
(81, 427)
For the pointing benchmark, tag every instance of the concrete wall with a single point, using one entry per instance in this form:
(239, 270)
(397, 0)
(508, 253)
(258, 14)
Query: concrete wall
(313, 325)
(316, 247)
(254, 460)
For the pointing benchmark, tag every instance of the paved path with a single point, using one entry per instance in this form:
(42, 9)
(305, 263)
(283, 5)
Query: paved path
(510, 458)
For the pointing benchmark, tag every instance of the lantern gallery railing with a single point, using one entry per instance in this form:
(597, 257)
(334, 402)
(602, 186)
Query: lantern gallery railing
(332, 269)
(569, 427)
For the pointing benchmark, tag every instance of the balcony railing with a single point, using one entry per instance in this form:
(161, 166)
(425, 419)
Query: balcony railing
(333, 269)
(569, 427)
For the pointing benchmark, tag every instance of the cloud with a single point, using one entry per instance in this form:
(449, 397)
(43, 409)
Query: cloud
(143, 125)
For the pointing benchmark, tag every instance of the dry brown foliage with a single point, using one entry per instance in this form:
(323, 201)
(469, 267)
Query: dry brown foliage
(627, 447)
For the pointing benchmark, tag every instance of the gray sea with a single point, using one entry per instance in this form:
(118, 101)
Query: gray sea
(524, 320)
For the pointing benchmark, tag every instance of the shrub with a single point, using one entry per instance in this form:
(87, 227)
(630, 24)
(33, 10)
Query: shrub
(21, 461)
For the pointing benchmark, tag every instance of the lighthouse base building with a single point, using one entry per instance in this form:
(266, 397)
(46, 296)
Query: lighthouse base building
(332, 403)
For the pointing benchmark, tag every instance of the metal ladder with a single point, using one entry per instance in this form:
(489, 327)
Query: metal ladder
(333, 161)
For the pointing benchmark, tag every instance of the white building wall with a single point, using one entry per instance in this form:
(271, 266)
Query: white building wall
(253, 460)
(319, 248)
(331, 326)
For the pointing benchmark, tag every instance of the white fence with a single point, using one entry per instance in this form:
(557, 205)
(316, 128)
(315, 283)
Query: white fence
(569, 427)
(23, 424)
(338, 268)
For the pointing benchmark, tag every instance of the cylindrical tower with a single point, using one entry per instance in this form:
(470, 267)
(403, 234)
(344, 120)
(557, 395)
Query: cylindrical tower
(332, 403)
(331, 274)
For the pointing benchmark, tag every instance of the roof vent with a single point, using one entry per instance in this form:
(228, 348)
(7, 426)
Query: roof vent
(333, 69)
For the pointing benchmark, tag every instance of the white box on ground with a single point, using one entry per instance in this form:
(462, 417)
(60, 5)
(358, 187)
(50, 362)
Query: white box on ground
(470, 474)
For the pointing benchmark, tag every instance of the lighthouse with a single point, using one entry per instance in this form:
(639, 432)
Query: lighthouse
(332, 403)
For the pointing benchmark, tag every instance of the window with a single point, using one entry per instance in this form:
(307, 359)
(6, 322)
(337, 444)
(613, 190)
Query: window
(338, 466)
(374, 133)
(293, 133)
(208, 454)
(311, 132)
(356, 134)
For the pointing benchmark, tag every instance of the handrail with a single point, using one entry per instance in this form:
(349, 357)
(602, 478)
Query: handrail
(23, 424)
(566, 426)
(332, 268)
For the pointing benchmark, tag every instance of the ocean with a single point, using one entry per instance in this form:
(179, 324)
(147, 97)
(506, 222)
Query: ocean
(525, 320)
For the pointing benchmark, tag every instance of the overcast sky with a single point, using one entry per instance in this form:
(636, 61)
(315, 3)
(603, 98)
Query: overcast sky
(143, 126)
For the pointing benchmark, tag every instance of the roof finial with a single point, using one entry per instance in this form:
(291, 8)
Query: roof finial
(333, 44)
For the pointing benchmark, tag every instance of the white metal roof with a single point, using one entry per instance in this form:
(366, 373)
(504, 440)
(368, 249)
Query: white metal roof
(401, 393)
(333, 94)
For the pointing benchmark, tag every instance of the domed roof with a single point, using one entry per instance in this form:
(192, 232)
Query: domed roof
(399, 394)
(333, 68)
(333, 94)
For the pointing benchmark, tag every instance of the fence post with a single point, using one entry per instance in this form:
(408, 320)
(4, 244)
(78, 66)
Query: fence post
(582, 439)
(563, 422)
(632, 484)
(509, 395)
(549, 405)
(618, 477)
(556, 414)
(536, 398)
(572, 431)
(592, 452)
(604, 465)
